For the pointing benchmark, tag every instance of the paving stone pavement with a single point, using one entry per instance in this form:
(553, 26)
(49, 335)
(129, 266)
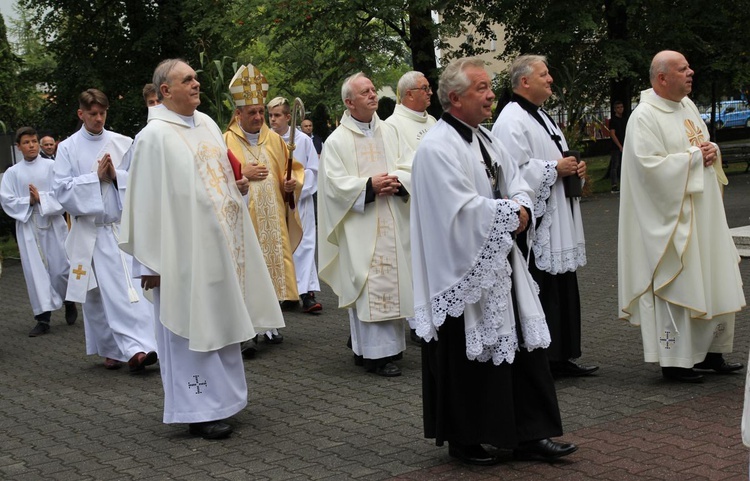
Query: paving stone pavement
(313, 415)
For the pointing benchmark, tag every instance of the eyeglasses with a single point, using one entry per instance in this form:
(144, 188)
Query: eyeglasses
(426, 88)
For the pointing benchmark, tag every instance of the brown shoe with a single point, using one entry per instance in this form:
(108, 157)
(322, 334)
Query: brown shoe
(140, 360)
(112, 364)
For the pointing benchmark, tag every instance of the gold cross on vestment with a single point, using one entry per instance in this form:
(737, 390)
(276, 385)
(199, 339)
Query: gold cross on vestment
(372, 154)
(79, 272)
(383, 303)
(694, 133)
(382, 265)
(384, 228)
(216, 179)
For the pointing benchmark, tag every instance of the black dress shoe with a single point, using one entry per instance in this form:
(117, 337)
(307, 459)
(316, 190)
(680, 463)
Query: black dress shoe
(249, 348)
(274, 338)
(386, 370)
(211, 429)
(40, 329)
(715, 361)
(309, 304)
(571, 368)
(71, 312)
(359, 360)
(543, 450)
(681, 374)
(471, 454)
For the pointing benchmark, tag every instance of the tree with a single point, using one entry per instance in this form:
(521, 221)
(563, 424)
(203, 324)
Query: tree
(11, 91)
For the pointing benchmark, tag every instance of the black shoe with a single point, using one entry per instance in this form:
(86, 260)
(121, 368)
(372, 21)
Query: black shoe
(211, 429)
(715, 361)
(387, 370)
(682, 374)
(570, 368)
(309, 304)
(543, 450)
(359, 360)
(137, 364)
(40, 329)
(414, 338)
(289, 305)
(274, 338)
(473, 454)
(249, 348)
(71, 312)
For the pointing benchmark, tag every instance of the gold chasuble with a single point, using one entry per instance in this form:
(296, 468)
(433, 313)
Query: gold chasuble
(278, 228)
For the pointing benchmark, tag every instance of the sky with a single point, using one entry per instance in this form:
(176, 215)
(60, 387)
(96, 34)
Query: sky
(6, 8)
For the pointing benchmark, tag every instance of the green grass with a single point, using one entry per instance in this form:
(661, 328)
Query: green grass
(8, 248)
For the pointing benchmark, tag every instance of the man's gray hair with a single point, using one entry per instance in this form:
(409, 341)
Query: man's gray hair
(454, 79)
(660, 64)
(407, 82)
(522, 67)
(346, 87)
(161, 73)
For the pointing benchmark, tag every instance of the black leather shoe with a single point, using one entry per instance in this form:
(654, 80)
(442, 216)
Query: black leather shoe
(472, 454)
(543, 450)
(40, 329)
(681, 374)
(571, 368)
(387, 370)
(359, 360)
(274, 338)
(715, 361)
(249, 348)
(211, 429)
(71, 312)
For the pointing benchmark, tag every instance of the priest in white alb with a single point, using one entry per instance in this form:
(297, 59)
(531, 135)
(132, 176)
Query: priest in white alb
(90, 177)
(26, 196)
(186, 225)
(678, 273)
(410, 117)
(363, 227)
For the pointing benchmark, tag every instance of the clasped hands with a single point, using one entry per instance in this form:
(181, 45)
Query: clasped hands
(106, 169)
(569, 166)
(385, 184)
(709, 153)
(33, 194)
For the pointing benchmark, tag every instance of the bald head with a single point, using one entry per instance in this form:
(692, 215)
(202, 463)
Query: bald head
(671, 75)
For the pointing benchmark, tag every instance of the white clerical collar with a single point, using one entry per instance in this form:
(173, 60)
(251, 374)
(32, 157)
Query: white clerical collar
(365, 127)
(414, 112)
(188, 119)
(251, 138)
(88, 135)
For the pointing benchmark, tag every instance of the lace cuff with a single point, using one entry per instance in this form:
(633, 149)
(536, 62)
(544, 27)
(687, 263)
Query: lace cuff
(549, 176)
(490, 272)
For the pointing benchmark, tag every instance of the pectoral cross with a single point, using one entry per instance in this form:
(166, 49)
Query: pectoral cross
(79, 272)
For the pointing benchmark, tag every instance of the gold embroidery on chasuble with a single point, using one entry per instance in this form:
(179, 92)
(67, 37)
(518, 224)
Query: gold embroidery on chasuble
(382, 280)
(694, 133)
(216, 176)
(267, 218)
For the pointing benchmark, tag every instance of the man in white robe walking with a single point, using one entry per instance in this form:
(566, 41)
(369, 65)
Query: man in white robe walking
(678, 273)
(559, 249)
(27, 197)
(187, 226)
(363, 227)
(90, 176)
(279, 116)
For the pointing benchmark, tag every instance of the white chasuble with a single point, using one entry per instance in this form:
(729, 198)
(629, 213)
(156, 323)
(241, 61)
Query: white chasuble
(383, 299)
(678, 274)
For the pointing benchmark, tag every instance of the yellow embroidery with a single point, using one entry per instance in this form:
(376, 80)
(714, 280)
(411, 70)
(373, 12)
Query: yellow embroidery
(694, 133)
(79, 272)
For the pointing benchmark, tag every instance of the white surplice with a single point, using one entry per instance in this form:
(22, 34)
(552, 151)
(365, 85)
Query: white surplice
(559, 245)
(304, 254)
(40, 231)
(461, 242)
(118, 320)
(678, 274)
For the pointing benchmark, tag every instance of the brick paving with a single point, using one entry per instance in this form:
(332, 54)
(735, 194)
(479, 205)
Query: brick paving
(313, 415)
